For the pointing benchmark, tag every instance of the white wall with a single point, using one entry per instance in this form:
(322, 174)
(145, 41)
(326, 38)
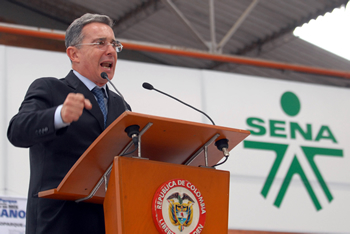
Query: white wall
(3, 123)
(22, 66)
(229, 99)
(320, 105)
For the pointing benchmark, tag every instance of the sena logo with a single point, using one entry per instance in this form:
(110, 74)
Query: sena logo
(178, 207)
(291, 106)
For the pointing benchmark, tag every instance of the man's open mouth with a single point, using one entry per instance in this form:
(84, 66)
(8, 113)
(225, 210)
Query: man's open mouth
(106, 65)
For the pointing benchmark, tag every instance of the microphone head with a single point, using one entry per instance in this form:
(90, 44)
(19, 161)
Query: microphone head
(104, 75)
(147, 86)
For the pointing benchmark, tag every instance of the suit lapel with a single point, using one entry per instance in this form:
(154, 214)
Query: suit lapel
(79, 87)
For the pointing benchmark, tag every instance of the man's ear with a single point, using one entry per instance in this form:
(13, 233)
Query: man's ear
(72, 53)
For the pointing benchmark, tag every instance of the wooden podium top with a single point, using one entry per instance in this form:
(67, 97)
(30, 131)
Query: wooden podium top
(167, 140)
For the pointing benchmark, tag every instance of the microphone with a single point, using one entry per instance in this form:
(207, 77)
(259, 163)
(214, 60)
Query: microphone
(222, 144)
(105, 76)
(147, 86)
(150, 87)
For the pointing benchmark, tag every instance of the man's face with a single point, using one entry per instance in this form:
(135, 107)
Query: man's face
(91, 60)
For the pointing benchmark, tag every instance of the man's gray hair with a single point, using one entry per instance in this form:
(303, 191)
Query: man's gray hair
(74, 34)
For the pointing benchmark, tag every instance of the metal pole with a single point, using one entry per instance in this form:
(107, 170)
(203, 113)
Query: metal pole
(212, 26)
(173, 50)
(187, 23)
(237, 25)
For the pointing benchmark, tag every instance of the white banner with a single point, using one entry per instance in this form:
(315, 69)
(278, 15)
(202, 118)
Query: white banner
(12, 215)
(292, 174)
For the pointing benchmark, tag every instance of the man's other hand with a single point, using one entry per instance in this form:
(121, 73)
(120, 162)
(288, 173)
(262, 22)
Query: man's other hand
(73, 107)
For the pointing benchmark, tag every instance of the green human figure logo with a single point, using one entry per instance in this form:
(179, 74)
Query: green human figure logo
(291, 106)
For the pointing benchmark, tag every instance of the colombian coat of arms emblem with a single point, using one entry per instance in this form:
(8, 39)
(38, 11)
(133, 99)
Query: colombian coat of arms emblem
(178, 207)
(180, 212)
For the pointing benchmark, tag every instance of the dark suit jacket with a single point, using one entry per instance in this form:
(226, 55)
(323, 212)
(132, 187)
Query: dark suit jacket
(53, 153)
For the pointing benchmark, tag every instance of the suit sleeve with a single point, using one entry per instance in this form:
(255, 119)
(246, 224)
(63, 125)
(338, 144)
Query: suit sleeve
(34, 123)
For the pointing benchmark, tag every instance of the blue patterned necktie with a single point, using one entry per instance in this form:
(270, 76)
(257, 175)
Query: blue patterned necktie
(101, 102)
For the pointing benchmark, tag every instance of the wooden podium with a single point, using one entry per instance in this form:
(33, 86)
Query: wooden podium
(175, 149)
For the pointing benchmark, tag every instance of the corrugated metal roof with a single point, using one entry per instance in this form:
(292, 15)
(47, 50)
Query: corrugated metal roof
(265, 33)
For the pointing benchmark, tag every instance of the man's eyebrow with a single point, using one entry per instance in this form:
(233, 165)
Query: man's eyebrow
(100, 39)
(104, 39)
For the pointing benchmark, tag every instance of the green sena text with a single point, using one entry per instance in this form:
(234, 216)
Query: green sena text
(282, 129)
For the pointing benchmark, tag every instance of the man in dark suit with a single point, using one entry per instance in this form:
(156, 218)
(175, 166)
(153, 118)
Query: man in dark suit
(60, 118)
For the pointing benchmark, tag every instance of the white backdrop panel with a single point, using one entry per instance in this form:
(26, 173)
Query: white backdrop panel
(230, 100)
(244, 97)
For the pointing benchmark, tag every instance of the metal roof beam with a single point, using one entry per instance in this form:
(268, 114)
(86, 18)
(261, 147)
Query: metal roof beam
(186, 21)
(171, 50)
(137, 14)
(238, 23)
(60, 10)
(288, 28)
(212, 26)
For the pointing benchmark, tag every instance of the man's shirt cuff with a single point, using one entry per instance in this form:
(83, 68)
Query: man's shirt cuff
(58, 119)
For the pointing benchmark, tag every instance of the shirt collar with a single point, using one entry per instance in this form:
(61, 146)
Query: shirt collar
(88, 83)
